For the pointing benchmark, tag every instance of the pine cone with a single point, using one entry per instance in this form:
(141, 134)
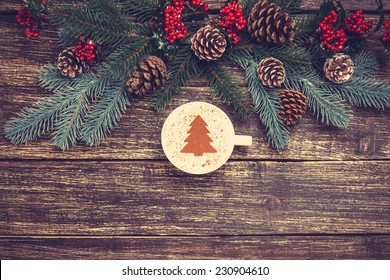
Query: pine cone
(266, 22)
(208, 43)
(149, 76)
(271, 72)
(292, 106)
(70, 65)
(339, 68)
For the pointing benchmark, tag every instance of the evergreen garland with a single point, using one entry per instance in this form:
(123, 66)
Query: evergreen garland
(126, 32)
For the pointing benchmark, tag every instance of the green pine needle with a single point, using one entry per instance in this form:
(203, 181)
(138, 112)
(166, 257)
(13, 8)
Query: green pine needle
(224, 89)
(183, 66)
(366, 65)
(106, 113)
(362, 89)
(142, 10)
(122, 61)
(326, 105)
(104, 27)
(34, 121)
(68, 125)
(289, 6)
(267, 106)
(294, 59)
(306, 28)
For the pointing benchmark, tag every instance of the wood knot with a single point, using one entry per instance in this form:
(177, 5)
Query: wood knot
(270, 203)
(367, 144)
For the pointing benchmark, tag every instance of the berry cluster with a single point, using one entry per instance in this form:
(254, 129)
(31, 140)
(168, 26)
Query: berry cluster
(232, 19)
(173, 14)
(26, 19)
(86, 50)
(333, 40)
(386, 37)
(356, 24)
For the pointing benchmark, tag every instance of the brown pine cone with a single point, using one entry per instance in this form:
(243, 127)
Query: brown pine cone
(271, 72)
(266, 22)
(292, 106)
(70, 65)
(148, 76)
(208, 43)
(339, 68)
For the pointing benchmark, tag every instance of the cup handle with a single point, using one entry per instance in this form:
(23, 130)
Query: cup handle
(242, 140)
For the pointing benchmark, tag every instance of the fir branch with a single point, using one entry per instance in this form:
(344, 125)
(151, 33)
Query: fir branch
(306, 28)
(294, 59)
(224, 89)
(326, 106)
(363, 91)
(267, 106)
(289, 6)
(69, 123)
(143, 10)
(103, 27)
(105, 114)
(238, 56)
(34, 121)
(122, 61)
(366, 65)
(180, 70)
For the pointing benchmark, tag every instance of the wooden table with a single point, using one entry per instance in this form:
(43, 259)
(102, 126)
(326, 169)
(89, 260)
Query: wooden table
(326, 196)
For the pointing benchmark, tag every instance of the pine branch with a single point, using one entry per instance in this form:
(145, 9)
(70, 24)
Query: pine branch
(224, 89)
(68, 124)
(326, 106)
(143, 10)
(294, 59)
(122, 61)
(366, 65)
(106, 113)
(289, 6)
(267, 106)
(34, 121)
(365, 92)
(179, 72)
(103, 27)
(306, 28)
(238, 56)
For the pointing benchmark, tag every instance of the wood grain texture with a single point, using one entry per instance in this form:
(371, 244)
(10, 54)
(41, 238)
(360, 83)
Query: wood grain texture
(328, 198)
(308, 5)
(143, 197)
(233, 247)
(139, 137)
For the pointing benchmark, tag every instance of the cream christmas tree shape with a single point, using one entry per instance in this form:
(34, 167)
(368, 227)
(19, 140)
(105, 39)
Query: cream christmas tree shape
(198, 141)
(198, 138)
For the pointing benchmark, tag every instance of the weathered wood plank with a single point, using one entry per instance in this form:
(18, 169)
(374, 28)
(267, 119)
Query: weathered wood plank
(149, 198)
(366, 138)
(13, 5)
(229, 247)
(138, 134)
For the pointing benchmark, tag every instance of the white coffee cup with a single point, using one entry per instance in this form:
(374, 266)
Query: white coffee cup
(199, 138)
